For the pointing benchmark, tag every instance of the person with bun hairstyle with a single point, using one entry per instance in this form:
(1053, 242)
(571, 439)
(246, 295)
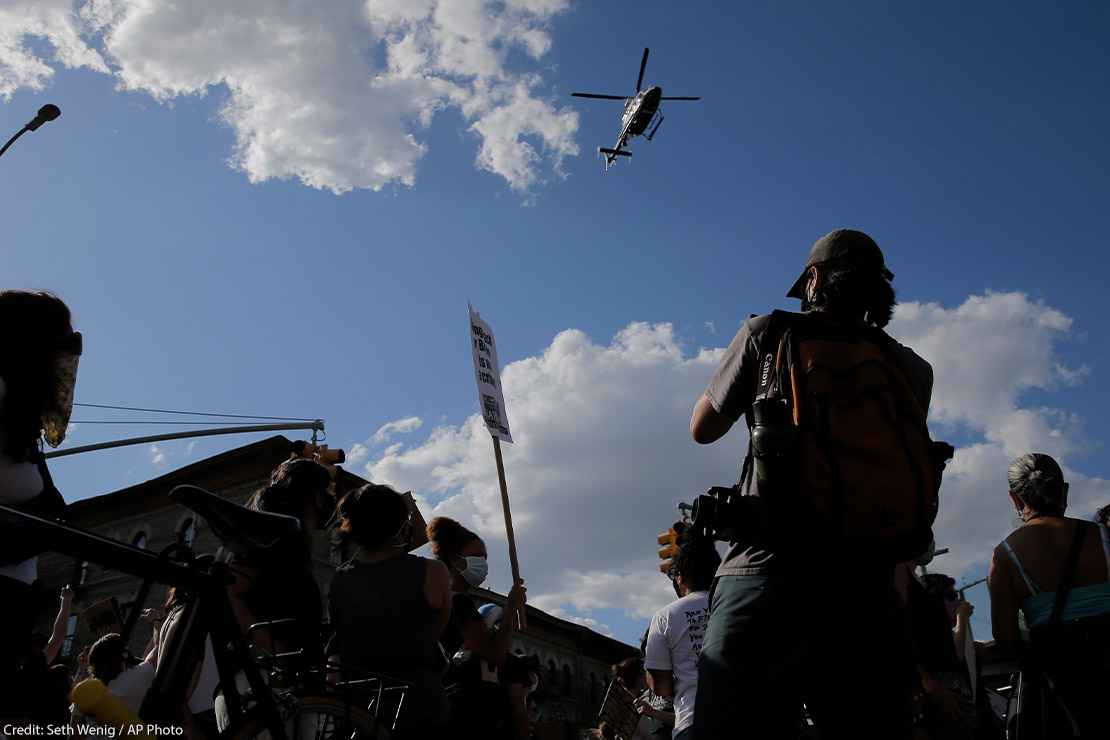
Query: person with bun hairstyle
(1053, 573)
(278, 582)
(388, 608)
(466, 634)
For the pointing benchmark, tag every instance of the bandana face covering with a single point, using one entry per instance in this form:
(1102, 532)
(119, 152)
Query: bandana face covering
(56, 418)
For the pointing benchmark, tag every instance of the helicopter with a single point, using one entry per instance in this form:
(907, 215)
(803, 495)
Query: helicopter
(641, 114)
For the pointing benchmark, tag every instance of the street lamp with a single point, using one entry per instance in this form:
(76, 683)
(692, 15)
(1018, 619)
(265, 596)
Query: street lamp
(46, 113)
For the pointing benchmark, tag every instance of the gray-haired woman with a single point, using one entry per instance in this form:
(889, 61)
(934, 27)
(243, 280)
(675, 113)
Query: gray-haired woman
(1055, 572)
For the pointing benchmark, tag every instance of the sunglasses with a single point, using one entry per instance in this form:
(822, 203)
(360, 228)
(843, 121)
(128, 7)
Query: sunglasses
(71, 344)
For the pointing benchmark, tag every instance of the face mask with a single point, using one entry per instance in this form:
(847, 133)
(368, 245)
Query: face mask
(475, 571)
(56, 418)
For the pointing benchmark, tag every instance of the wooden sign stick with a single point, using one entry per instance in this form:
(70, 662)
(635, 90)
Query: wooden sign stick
(522, 619)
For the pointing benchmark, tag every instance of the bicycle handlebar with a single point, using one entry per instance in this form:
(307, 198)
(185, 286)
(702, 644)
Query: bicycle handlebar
(84, 545)
(165, 696)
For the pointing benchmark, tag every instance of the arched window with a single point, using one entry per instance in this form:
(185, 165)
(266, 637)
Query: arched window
(139, 540)
(568, 687)
(552, 676)
(187, 533)
(594, 698)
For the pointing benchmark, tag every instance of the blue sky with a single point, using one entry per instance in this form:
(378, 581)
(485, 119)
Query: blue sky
(970, 141)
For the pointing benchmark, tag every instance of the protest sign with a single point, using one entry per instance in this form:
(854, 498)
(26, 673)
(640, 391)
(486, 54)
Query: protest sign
(618, 711)
(487, 374)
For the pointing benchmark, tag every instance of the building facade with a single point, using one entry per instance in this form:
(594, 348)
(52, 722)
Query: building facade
(574, 659)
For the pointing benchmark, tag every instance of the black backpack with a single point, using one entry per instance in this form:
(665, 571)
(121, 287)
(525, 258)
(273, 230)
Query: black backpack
(859, 464)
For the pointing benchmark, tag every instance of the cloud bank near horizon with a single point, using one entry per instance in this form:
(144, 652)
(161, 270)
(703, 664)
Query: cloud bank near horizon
(603, 451)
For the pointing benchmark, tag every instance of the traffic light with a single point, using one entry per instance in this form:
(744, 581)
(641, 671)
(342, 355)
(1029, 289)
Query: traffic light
(671, 540)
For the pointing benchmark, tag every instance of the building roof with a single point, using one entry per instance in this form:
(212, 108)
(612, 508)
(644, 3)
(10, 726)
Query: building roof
(249, 464)
(593, 642)
(240, 466)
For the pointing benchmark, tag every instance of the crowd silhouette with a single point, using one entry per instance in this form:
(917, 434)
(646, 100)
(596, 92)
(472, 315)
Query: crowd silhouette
(759, 644)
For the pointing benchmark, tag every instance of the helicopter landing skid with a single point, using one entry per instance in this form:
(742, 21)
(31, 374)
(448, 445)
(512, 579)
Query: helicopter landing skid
(612, 154)
(658, 119)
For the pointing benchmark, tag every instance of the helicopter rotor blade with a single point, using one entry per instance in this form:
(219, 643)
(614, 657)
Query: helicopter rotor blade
(680, 97)
(597, 97)
(643, 64)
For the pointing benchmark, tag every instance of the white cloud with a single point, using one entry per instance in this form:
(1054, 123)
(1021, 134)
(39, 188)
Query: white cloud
(602, 456)
(21, 65)
(158, 456)
(334, 94)
(593, 624)
(603, 451)
(986, 353)
(390, 429)
(357, 454)
(710, 327)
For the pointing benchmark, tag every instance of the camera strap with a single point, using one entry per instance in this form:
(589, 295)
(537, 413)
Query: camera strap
(768, 382)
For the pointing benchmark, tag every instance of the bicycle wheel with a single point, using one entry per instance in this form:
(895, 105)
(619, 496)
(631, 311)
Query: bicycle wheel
(311, 718)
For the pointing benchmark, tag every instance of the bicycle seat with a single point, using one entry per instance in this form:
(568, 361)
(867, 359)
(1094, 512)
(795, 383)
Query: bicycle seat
(241, 530)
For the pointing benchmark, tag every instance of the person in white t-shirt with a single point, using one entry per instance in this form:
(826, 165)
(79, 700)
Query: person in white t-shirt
(108, 662)
(677, 630)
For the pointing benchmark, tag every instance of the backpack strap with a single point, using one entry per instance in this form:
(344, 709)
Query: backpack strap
(1067, 575)
(767, 382)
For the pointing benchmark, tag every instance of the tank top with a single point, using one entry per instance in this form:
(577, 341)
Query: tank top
(383, 624)
(1083, 601)
(19, 483)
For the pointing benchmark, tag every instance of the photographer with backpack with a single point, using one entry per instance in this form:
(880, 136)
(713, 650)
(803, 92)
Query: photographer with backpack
(840, 472)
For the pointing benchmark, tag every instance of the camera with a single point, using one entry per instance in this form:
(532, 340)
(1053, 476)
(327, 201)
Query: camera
(321, 453)
(713, 513)
(726, 514)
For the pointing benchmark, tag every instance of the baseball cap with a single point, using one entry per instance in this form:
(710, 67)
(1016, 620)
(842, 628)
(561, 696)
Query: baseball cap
(846, 246)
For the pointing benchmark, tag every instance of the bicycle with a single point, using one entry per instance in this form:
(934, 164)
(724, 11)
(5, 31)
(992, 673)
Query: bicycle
(255, 710)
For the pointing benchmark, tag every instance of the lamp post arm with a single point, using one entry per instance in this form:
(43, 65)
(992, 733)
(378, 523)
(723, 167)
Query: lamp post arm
(315, 426)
